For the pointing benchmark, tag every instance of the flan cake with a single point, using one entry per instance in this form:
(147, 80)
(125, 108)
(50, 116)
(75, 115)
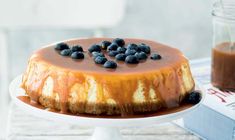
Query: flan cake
(158, 79)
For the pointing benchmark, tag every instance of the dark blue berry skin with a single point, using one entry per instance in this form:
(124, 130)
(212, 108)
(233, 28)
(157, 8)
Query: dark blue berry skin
(144, 48)
(132, 46)
(104, 44)
(77, 55)
(110, 64)
(95, 54)
(112, 47)
(120, 57)
(94, 48)
(121, 49)
(113, 53)
(100, 60)
(132, 59)
(130, 52)
(155, 56)
(61, 46)
(77, 49)
(141, 55)
(66, 52)
(194, 97)
(119, 42)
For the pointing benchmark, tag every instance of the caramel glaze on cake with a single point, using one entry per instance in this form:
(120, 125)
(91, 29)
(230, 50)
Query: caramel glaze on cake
(81, 86)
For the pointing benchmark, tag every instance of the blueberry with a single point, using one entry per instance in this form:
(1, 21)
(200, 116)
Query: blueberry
(113, 53)
(144, 48)
(141, 55)
(110, 64)
(112, 47)
(120, 57)
(105, 44)
(130, 52)
(77, 49)
(66, 52)
(119, 41)
(94, 48)
(193, 98)
(95, 54)
(132, 46)
(100, 60)
(155, 56)
(61, 46)
(121, 49)
(132, 59)
(77, 55)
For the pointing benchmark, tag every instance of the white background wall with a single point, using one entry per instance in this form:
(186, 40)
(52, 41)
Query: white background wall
(184, 24)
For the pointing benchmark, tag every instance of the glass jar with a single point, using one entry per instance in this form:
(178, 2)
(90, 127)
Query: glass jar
(223, 51)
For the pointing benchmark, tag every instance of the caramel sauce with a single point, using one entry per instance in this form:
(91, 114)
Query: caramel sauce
(170, 57)
(164, 76)
(183, 106)
(223, 66)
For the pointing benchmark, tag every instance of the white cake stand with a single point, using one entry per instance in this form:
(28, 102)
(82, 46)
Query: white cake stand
(105, 128)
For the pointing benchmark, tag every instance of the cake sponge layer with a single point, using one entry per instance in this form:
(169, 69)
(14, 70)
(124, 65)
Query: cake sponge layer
(97, 94)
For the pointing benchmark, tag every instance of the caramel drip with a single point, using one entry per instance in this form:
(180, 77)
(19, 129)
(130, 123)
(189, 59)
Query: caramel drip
(146, 87)
(34, 84)
(183, 88)
(167, 87)
(119, 91)
(63, 82)
(61, 87)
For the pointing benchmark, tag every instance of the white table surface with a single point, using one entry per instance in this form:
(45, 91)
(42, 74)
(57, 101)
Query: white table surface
(23, 126)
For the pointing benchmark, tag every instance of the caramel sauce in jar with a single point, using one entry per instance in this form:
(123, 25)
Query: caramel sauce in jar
(223, 66)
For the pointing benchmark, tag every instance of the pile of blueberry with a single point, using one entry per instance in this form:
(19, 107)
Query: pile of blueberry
(75, 52)
(130, 53)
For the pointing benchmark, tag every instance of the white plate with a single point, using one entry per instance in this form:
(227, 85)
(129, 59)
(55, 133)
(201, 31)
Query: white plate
(16, 90)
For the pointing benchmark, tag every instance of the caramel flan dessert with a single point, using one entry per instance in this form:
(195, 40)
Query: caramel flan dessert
(107, 76)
